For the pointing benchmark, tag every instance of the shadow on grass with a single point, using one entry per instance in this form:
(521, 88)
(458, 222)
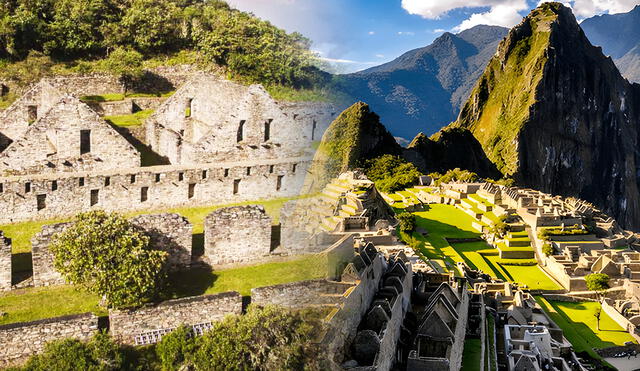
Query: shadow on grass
(497, 271)
(22, 268)
(192, 282)
(197, 249)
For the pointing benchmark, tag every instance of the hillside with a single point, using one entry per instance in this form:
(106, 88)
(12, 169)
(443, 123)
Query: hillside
(45, 38)
(423, 89)
(605, 31)
(553, 112)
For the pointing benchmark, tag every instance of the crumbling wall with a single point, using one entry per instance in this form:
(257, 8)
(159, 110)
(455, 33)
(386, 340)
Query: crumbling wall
(240, 234)
(5, 263)
(18, 341)
(146, 188)
(171, 233)
(125, 325)
(300, 294)
(44, 274)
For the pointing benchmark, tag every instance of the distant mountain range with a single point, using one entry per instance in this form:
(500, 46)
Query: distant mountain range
(619, 37)
(423, 89)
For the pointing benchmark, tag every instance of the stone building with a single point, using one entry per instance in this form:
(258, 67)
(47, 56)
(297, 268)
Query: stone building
(171, 233)
(240, 234)
(211, 119)
(5, 263)
(70, 136)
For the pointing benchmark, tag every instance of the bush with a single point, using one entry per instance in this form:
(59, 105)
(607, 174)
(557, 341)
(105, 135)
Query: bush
(598, 282)
(106, 255)
(175, 348)
(391, 173)
(407, 222)
(547, 249)
(455, 175)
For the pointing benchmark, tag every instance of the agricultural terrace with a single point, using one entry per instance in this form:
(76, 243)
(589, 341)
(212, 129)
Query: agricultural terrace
(438, 222)
(579, 325)
(26, 304)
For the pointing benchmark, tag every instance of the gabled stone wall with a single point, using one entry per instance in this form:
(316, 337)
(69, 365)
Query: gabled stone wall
(125, 325)
(171, 233)
(44, 274)
(240, 234)
(19, 341)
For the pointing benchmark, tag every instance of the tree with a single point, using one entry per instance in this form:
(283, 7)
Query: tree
(500, 228)
(407, 222)
(598, 282)
(391, 173)
(106, 255)
(127, 64)
(176, 348)
(597, 313)
(547, 248)
(455, 175)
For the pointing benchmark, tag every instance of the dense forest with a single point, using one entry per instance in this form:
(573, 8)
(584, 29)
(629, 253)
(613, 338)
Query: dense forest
(40, 36)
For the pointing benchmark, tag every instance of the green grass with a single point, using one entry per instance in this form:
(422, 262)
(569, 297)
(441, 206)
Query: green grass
(472, 354)
(532, 275)
(114, 97)
(134, 119)
(579, 325)
(491, 327)
(37, 303)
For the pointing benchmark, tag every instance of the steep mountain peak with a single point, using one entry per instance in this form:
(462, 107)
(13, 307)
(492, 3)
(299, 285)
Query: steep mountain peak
(553, 112)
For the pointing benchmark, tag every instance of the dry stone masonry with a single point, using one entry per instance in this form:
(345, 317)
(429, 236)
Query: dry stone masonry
(5, 262)
(147, 325)
(171, 233)
(240, 234)
(44, 273)
(20, 340)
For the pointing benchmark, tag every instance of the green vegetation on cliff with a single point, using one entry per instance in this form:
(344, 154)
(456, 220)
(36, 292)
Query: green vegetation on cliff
(39, 38)
(500, 103)
(391, 173)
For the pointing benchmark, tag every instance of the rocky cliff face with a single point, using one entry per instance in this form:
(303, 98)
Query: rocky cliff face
(553, 112)
(423, 89)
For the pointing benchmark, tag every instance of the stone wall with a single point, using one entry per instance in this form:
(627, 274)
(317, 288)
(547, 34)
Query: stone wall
(5, 263)
(240, 234)
(171, 233)
(300, 294)
(44, 273)
(20, 340)
(164, 187)
(125, 325)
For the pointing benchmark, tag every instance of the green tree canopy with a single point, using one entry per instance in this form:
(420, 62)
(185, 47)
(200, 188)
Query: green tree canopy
(391, 173)
(106, 255)
(455, 175)
(598, 282)
(407, 222)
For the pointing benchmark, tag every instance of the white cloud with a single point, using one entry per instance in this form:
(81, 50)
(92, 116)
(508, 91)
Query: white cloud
(406, 33)
(372, 32)
(379, 55)
(499, 15)
(439, 30)
(589, 8)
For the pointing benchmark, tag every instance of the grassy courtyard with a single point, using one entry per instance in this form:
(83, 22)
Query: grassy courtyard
(579, 325)
(37, 303)
(446, 221)
(472, 354)
(134, 119)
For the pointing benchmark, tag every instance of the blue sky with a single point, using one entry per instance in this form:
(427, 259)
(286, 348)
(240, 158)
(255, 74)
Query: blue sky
(356, 34)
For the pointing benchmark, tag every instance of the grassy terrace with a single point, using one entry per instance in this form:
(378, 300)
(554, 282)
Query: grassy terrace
(134, 119)
(446, 221)
(472, 354)
(115, 97)
(26, 304)
(579, 325)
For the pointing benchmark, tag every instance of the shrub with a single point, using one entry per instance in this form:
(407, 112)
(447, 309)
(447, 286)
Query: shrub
(547, 249)
(106, 255)
(391, 173)
(175, 348)
(598, 282)
(455, 175)
(407, 222)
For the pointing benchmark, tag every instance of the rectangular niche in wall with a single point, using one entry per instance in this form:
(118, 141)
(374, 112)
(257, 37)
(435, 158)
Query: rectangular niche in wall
(95, 197)
(188, 111)
(32, 113)
(313, 130)
(85, 141)
(236, 186)
(240, 135)
(279, 182)
(41, 201)
(144, 194)
(267, 130)
(192, 190)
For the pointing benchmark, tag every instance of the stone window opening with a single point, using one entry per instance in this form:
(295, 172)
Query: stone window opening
(95, 197)
(1, 188)
(144, 194)
(271, 168)
(54, 185)
(107, 181)
(240, 135)
(236, 186)
(249, 170)
(267, 130)
(279, 182)
(158, 177)
(293, 168)
(226, 173)
(41, 201)
(133, 179)
(27, 187)
(204, 174)
(32, 113)
(81, 182)
(192, 190)
(180, 177)
(85, 141)
(313, 130)
(188, 111)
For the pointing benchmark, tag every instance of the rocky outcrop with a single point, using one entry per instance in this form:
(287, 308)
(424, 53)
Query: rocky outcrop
(553, 112)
